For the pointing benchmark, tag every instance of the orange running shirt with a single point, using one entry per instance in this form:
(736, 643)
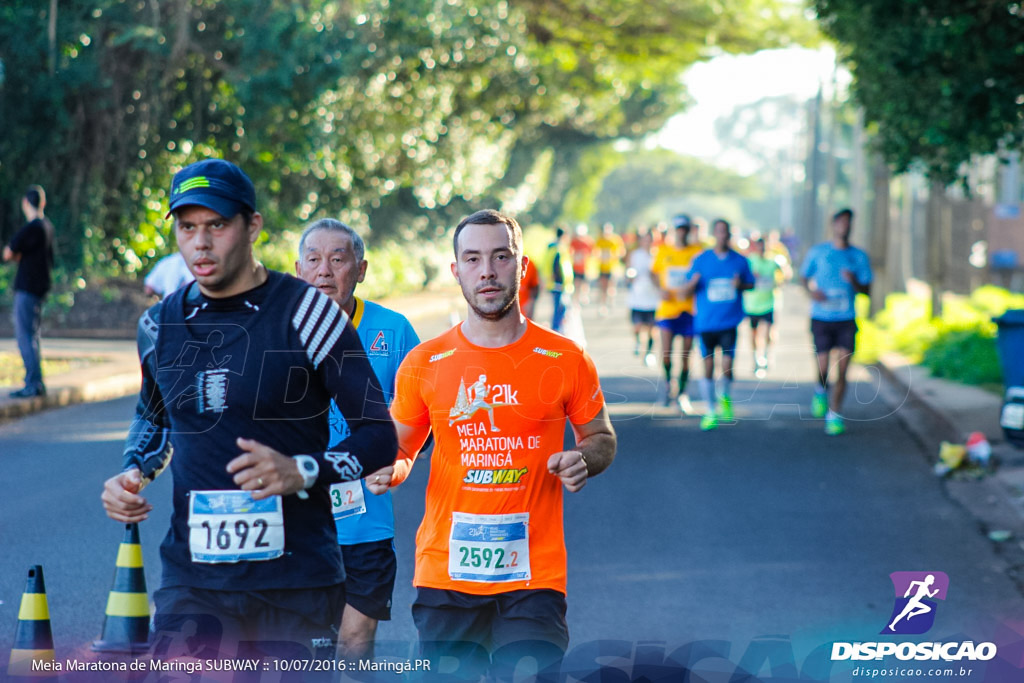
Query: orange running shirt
(493, 519)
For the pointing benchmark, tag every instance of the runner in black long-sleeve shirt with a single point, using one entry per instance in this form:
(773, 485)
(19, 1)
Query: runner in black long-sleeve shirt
(238, 373)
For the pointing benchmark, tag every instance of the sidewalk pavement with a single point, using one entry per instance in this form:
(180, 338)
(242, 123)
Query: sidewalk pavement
(935, 410)
(114, 368)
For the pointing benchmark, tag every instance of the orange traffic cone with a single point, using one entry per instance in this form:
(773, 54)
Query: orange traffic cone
(126, 626)
(32, 655)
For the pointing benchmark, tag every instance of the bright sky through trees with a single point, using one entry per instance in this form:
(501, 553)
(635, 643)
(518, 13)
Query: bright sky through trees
(729, 81)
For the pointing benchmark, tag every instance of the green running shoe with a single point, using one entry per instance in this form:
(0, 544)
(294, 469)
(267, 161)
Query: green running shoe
(708, 422)
(725, 408)
(819, 405)
(834, 425)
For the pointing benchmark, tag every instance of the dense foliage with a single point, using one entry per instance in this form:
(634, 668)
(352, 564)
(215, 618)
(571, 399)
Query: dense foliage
(395, 114)
(960, 346)
(942, 79)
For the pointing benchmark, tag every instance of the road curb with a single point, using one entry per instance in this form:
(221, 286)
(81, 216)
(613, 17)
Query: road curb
(101, 382)
(995, 501)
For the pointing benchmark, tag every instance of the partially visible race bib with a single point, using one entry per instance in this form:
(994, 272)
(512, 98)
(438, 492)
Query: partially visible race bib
(721, 289)
(229, 526)
(675, 277)
(489, 548)
(347, 500)
(838, 300)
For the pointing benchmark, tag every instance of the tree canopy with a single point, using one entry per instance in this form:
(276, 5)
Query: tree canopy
(395, 114)
(941, 79)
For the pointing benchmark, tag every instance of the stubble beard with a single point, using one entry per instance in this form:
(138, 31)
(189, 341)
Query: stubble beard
(505, 307)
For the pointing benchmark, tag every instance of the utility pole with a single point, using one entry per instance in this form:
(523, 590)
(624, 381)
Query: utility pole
(809, 233)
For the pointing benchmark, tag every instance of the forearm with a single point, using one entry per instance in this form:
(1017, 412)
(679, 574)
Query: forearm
(598, 452)
(403, 468)
(370, 447)
(411, 440)
(147, 448)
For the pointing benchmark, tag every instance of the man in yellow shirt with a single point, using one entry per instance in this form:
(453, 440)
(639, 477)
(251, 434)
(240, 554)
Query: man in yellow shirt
(674, 315)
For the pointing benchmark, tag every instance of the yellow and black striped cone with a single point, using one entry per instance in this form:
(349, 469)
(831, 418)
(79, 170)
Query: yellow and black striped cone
(126, 625)
(33, 641)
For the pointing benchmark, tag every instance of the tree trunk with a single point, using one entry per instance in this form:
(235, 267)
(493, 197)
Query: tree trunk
(51, 34)
(879, 247)
(938, 220)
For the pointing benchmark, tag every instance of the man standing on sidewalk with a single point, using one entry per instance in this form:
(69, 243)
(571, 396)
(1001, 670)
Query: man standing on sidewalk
(331, 258)
(490, 553)
(32, 249)
(833, 274)
(238, 373)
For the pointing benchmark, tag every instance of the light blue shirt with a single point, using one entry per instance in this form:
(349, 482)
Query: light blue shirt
(824, 264)
(387, 337)
(719, 304)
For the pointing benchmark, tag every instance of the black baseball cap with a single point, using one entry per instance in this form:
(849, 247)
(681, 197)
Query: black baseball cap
(214, 183)
(681, 221)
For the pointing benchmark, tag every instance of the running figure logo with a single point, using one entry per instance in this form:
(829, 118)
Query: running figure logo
(914, 612)
(470, 400)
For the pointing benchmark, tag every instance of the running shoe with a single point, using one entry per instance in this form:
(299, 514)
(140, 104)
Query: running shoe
(725, 408)
(685, 407)
(649, 360)
(708, 422)
(819, 404)
(834, 425)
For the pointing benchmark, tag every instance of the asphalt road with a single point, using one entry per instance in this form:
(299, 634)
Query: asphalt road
(758, 544)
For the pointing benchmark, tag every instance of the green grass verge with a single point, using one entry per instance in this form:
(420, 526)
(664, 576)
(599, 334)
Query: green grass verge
(960, 346)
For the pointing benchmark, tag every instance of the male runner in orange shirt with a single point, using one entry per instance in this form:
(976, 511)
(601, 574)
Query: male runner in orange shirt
(496, 391)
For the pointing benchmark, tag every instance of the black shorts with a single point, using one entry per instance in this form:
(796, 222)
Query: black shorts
(766, 318)
(641, 317)
(370, 577)
(494, 631)
(190, 620)
(834, 334)
(725, 339)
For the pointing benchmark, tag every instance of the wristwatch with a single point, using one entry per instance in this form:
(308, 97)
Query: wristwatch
(309, 468)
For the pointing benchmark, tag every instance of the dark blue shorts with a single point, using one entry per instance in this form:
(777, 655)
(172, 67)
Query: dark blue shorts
(834, 334)
(191, 620)
(492, 631)
(681, 326)
(638, 317)
(370, 577)
(724, 339)
(767, 318)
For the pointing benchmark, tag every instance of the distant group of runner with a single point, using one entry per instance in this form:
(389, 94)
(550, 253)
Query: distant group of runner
(686, 289)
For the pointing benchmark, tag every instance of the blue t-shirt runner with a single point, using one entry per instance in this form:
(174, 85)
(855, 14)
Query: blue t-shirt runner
(825, 264)
(719, 304)
(387, 336)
